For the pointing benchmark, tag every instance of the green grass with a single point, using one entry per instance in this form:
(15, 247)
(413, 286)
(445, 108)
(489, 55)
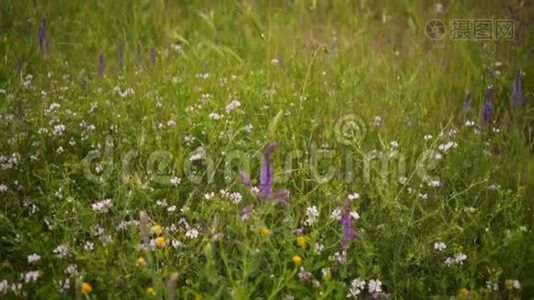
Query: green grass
(340, 65)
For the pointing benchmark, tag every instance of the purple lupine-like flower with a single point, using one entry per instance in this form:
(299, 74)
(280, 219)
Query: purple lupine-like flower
(42, 35)
(346, 224)
(467, 101)
(266, 173)
(517, 92)
(486, 109)
(266, 179)
(101, 63)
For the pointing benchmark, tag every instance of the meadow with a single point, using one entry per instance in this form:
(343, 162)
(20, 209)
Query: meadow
(265, 150)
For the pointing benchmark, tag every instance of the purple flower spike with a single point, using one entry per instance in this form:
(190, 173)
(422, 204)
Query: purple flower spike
(266, 179)
(346, 224)
(42, 35)
(266, 173)
(486, 109)
(517, 92)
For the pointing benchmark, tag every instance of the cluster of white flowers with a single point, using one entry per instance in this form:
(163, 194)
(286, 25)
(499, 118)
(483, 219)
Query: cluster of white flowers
(214, 116)
(125, 93)
(440, 246)
(235, 197)
(356, 287)
(232, 105)
(102, 206)
(175, 181)
(458, 259)
(312, 214)
(191, 233)
(354, 196)
(336, 214)
(61, 251)
(9, 162)
(445, 147)
(33, 258)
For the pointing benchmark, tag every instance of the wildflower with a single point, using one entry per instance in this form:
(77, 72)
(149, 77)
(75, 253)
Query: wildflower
(141, 261)
(354, 196)
(304, 275)
(512, 284)
(31, 276)
(192, 233)
(346, 223)
(42, 35)
(208, 196)
(312, 213)
(232, 105)
(86, 288)
(297, 260)
(440, 246)
(265, 232)
(175, 181)
(214, 116)
(89, 246)
(198, 297)
(517, 93)
(266, 179)
(160, 241)
(61, 251)
(336, 214)
(374, 286)
(33, 258)
(157, 229)
(249, 128)
(102, 206)
(318, 248)
(301, 241)
(150, 290)
(486, 109)
(356, 287)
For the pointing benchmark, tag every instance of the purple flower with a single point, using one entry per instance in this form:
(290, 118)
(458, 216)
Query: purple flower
(517, 92)
(42, 35)
(486, 109)
(346, 224)
(266, 173)
(304, 275)
(266, 179)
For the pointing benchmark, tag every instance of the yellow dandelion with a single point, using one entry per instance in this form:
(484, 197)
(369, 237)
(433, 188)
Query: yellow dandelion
(157, 229)
(160, 241)
(86, 288)
(150, 290)
(265, 232)
(141, 261)
(297, 260)
(301, 241)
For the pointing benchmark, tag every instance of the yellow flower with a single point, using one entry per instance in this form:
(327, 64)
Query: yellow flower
(301, 241)
(86, 288)
(198, 297)
(141, 261)
(297, 260)
(160, 241)
(150, 290)
(157, 229)
(464, 292)
(265, 232)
